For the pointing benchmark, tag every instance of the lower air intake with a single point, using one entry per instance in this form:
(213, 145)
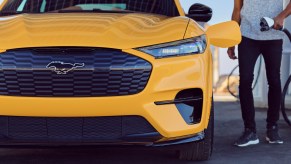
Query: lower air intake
(78, 129)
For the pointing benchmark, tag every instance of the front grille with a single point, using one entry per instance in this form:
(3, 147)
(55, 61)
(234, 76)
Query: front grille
(93, 72)
(78, 129)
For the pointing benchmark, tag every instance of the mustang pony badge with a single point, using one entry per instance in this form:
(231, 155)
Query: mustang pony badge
(62, 68)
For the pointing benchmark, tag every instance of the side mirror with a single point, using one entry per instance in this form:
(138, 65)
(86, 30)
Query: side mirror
(225, 34)
(200, 12)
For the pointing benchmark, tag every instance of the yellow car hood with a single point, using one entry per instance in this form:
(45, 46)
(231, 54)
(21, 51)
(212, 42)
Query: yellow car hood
(112, 30)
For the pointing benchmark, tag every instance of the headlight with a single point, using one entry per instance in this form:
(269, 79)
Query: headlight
(190, 46)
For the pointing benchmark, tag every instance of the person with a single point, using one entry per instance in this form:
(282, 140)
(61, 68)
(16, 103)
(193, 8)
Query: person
(248, 14)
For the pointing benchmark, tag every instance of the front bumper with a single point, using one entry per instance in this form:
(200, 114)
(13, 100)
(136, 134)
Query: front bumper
(169, 76)
(176, 142)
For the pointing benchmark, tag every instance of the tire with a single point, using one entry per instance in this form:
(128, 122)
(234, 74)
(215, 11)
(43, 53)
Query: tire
(201, 150)
(286, 112)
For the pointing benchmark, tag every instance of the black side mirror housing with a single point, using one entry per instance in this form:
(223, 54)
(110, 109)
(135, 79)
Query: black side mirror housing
(200, 12)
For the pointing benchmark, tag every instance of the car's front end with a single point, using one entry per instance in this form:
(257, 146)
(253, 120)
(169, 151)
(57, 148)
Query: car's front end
(114, 81)
(97, 78)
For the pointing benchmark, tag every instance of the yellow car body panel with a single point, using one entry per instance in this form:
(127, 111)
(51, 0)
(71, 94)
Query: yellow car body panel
(125, 32)
(90, 30)
(221, 37)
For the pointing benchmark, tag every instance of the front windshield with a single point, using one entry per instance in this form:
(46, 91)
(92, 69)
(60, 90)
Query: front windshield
(163, 7)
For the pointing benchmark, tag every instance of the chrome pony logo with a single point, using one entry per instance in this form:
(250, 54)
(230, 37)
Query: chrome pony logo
(62, 68)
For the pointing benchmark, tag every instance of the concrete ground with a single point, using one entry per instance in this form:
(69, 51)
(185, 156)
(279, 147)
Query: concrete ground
(228, 127)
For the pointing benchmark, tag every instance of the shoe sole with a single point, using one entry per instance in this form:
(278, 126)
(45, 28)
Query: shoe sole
(273, 142)
(254, 142)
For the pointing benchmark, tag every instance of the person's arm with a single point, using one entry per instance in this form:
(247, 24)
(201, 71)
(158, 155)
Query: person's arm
(279, 20)
(236, 10)
(235, 17)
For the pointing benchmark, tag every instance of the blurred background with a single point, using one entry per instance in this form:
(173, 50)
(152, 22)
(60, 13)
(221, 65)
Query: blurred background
(225, 70)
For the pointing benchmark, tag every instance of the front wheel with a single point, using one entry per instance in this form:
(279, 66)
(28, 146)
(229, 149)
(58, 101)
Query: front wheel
(201, 150)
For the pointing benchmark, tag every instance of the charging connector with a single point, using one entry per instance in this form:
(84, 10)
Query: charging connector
(267, 24)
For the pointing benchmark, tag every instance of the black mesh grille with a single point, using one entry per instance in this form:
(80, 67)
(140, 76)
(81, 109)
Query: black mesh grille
(87, 129)
(71, 72)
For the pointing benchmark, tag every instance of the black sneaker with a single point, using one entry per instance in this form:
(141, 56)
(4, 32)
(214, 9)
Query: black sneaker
(248, 137)
(273, 136)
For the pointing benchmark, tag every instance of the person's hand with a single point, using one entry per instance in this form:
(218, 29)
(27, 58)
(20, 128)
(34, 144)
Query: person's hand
(231, 53)
(278, 22)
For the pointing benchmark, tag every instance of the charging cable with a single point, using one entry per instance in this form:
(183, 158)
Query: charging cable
(268, 24)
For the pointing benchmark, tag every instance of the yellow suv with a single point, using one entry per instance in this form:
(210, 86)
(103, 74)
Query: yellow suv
(103, 72)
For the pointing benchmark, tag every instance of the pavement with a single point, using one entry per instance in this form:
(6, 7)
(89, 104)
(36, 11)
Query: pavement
(228, 126)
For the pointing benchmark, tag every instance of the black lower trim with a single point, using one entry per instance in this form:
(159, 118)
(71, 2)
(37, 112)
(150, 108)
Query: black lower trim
(148, 140)
(149, 137)
(115, 129)
(197, 137)
(181, 100)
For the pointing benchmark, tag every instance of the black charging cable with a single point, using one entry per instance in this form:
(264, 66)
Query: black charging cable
(287, 33)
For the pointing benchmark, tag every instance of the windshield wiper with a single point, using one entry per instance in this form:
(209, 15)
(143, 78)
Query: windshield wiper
(112, 11)
(95, 11)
